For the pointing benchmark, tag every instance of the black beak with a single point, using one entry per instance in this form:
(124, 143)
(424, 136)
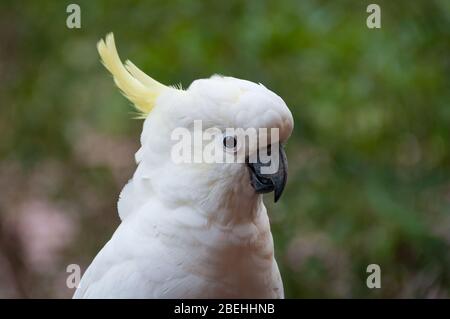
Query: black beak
(276, 179)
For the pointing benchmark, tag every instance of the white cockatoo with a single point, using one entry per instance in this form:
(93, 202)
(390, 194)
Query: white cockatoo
(192, 229)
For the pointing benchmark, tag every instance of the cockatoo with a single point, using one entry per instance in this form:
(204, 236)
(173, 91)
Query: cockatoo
(192, 229)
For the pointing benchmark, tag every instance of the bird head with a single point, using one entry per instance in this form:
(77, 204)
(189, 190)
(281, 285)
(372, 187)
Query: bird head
(218, 143)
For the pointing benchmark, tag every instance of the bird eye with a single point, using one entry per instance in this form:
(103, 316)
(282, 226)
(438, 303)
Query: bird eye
(230, 142)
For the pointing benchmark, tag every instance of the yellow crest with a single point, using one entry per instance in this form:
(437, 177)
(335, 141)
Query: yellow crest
(137, 86)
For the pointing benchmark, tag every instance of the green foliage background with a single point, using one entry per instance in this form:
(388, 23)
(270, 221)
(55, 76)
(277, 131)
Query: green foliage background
(369, 157)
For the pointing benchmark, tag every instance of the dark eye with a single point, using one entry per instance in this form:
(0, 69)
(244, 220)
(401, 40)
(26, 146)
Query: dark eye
(229, 142)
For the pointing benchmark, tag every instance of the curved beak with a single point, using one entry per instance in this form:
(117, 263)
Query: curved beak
(270, 174)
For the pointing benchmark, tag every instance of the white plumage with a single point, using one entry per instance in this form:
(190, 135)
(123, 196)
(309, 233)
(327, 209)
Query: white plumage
(193, 230)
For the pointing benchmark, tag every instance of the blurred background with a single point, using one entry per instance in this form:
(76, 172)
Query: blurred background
(369, 157)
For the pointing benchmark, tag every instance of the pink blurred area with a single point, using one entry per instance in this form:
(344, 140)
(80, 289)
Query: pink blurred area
(54, 214)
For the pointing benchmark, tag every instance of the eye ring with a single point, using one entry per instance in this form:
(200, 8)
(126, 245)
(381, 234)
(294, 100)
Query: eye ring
(230, 142)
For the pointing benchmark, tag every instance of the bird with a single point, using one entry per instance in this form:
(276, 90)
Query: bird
(194, 229)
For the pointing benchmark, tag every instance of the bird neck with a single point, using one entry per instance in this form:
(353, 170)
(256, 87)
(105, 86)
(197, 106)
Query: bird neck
(232, 203)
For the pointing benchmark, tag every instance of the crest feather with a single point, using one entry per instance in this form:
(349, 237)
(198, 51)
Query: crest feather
(137, 86)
